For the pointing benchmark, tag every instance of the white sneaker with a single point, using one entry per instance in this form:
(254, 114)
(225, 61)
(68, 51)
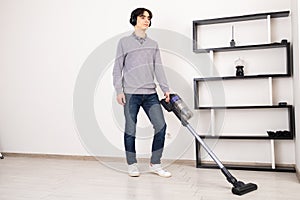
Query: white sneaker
(133, 170)
(157, 169)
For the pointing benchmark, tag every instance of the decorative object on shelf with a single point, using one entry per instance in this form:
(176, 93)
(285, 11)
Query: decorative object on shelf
(232, 42)
(284, 41)
(239, 65)
(239, 70)
(280, 134)
(282, 103)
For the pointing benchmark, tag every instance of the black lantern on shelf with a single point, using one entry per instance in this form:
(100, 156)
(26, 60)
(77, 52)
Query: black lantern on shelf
(239, 65)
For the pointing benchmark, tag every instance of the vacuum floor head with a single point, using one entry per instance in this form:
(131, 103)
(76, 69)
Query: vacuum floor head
(242, 188)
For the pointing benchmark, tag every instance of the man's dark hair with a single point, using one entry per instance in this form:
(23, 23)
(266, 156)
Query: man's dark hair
(138, 12)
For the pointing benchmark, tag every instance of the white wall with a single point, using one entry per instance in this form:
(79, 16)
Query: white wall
(44, 44)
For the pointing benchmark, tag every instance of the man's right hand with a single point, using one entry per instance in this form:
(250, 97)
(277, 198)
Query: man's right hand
(121, 99)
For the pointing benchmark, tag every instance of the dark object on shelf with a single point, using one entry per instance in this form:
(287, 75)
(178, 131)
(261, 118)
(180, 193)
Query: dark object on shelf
(282, 103)
(239, 70)
(271, 134)
(239, 187)
(239, 65)
(279, 134)
(232, 42)
(284, 41)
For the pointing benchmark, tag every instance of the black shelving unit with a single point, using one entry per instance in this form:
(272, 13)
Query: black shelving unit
(291, 117)
(288, 73)
(249, 168)
(200, 164)
(245, 47)
(285, 45)
(241, 18)
(216, 78)
(251, 77)
(257, 16)
(231, 137)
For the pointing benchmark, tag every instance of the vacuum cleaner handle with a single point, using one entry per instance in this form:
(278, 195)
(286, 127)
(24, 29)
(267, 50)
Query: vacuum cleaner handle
(167, 105)
(170, 108)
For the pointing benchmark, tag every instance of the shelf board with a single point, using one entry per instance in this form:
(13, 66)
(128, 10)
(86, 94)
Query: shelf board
(244, 47)
(250, 168)
(245, 137)
(243, 107)
(241, 77)
(242, 18)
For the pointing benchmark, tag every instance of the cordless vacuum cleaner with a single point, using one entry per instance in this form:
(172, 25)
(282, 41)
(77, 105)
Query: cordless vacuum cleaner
(183, 113)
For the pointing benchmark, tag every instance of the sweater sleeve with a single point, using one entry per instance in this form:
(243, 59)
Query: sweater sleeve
(118, 68)
(159, 72)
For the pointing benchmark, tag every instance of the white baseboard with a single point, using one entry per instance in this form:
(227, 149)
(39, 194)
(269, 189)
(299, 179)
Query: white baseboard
(54, 156)
(122, 159)
(91, 158)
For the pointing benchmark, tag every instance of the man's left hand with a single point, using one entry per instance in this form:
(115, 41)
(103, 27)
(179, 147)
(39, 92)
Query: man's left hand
(167, 95)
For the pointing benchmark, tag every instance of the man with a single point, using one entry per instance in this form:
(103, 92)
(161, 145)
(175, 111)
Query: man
(137, 63)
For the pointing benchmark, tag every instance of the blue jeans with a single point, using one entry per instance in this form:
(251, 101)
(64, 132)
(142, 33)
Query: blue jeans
(152, 108)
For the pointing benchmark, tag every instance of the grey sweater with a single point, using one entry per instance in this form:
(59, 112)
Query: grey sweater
(137, 64)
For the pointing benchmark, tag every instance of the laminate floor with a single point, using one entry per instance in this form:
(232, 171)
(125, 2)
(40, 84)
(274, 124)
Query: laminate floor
(24, 178)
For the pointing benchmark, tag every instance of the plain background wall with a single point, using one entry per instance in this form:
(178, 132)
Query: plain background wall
(44, 44)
